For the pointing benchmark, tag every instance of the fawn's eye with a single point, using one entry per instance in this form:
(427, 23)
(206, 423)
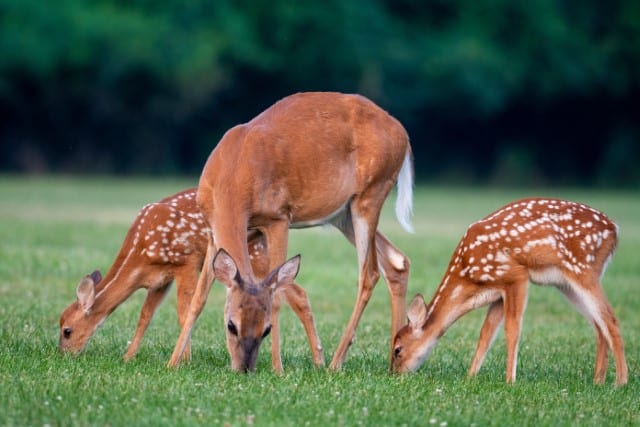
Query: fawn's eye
(266, 332)
(231, 327)
(66, 332)
(397, 351)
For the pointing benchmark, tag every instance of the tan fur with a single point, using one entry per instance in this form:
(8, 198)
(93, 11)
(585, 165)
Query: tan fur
(310, 159)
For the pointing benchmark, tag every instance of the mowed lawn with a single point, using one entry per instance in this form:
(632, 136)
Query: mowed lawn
(54, 230)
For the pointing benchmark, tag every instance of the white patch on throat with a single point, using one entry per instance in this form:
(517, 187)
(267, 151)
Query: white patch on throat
(420, 354)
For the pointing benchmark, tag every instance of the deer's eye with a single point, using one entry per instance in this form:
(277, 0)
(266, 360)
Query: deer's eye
(266, 332)
(397, 351)
(231, 327)
(66, 332)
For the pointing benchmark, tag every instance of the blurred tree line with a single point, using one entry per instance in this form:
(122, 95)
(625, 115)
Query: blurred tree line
(494, 91)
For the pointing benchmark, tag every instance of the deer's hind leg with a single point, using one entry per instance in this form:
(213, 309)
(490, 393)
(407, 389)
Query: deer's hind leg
(515, 302)
(394, 266)
(359, 225)
(591, 302)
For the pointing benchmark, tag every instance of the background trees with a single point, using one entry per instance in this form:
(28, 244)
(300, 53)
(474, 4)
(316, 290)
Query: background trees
(492, 91)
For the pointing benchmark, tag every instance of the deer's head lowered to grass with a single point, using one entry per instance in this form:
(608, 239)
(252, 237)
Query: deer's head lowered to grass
(545, 241)
(166, 242)
(310, 159)
(247, 313)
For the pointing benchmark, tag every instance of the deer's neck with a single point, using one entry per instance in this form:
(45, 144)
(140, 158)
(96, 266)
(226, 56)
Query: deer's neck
(449, 303)
(121, 279)
(117, 287)
(230, 233)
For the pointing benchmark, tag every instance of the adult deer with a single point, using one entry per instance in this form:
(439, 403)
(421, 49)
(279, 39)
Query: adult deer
(310, 159)
(166, 242)
(545, 241)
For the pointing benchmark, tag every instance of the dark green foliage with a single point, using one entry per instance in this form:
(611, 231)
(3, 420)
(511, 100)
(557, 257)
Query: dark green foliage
(538, 92)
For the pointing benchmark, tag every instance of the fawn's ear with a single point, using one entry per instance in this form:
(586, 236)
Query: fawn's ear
(284, 275)
(417, 312)
(86, 293)
(225, 269)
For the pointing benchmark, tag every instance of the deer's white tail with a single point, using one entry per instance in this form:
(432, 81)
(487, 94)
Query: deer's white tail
(404, 202)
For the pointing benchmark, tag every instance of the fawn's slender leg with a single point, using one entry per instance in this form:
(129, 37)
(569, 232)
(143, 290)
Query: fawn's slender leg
(488, 332)
(515, 302)
(151, 302)
(201, 293)
(186, 277)
(612, 334)
(602, 356)
(591, 301)
(602, 348)
(299, 301)
(276, 356)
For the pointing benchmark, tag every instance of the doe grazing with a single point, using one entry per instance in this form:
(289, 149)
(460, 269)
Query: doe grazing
(166, 242)
(309, 159)
(545, 241)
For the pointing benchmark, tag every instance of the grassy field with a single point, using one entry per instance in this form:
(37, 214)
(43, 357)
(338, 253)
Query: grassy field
(55, 230)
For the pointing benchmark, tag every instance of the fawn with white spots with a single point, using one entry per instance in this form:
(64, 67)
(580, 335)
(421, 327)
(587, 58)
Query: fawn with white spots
(310, 159)
(166, 242)
(545, 241)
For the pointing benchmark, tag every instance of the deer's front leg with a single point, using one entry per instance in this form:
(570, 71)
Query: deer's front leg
(299, 301)
(276, 357)
(494, 318)
(515, 302)
(151, 303)
(195, 307)
(186, 279)
(276, 238)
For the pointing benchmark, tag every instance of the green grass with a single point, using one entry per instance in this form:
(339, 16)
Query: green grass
(54, 230)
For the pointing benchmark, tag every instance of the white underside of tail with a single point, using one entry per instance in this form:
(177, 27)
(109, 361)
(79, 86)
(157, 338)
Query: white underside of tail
(404, 202)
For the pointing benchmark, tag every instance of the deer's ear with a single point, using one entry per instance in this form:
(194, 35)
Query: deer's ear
(86, 293)
(417, 312)
(225, 269)
(284, 275)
